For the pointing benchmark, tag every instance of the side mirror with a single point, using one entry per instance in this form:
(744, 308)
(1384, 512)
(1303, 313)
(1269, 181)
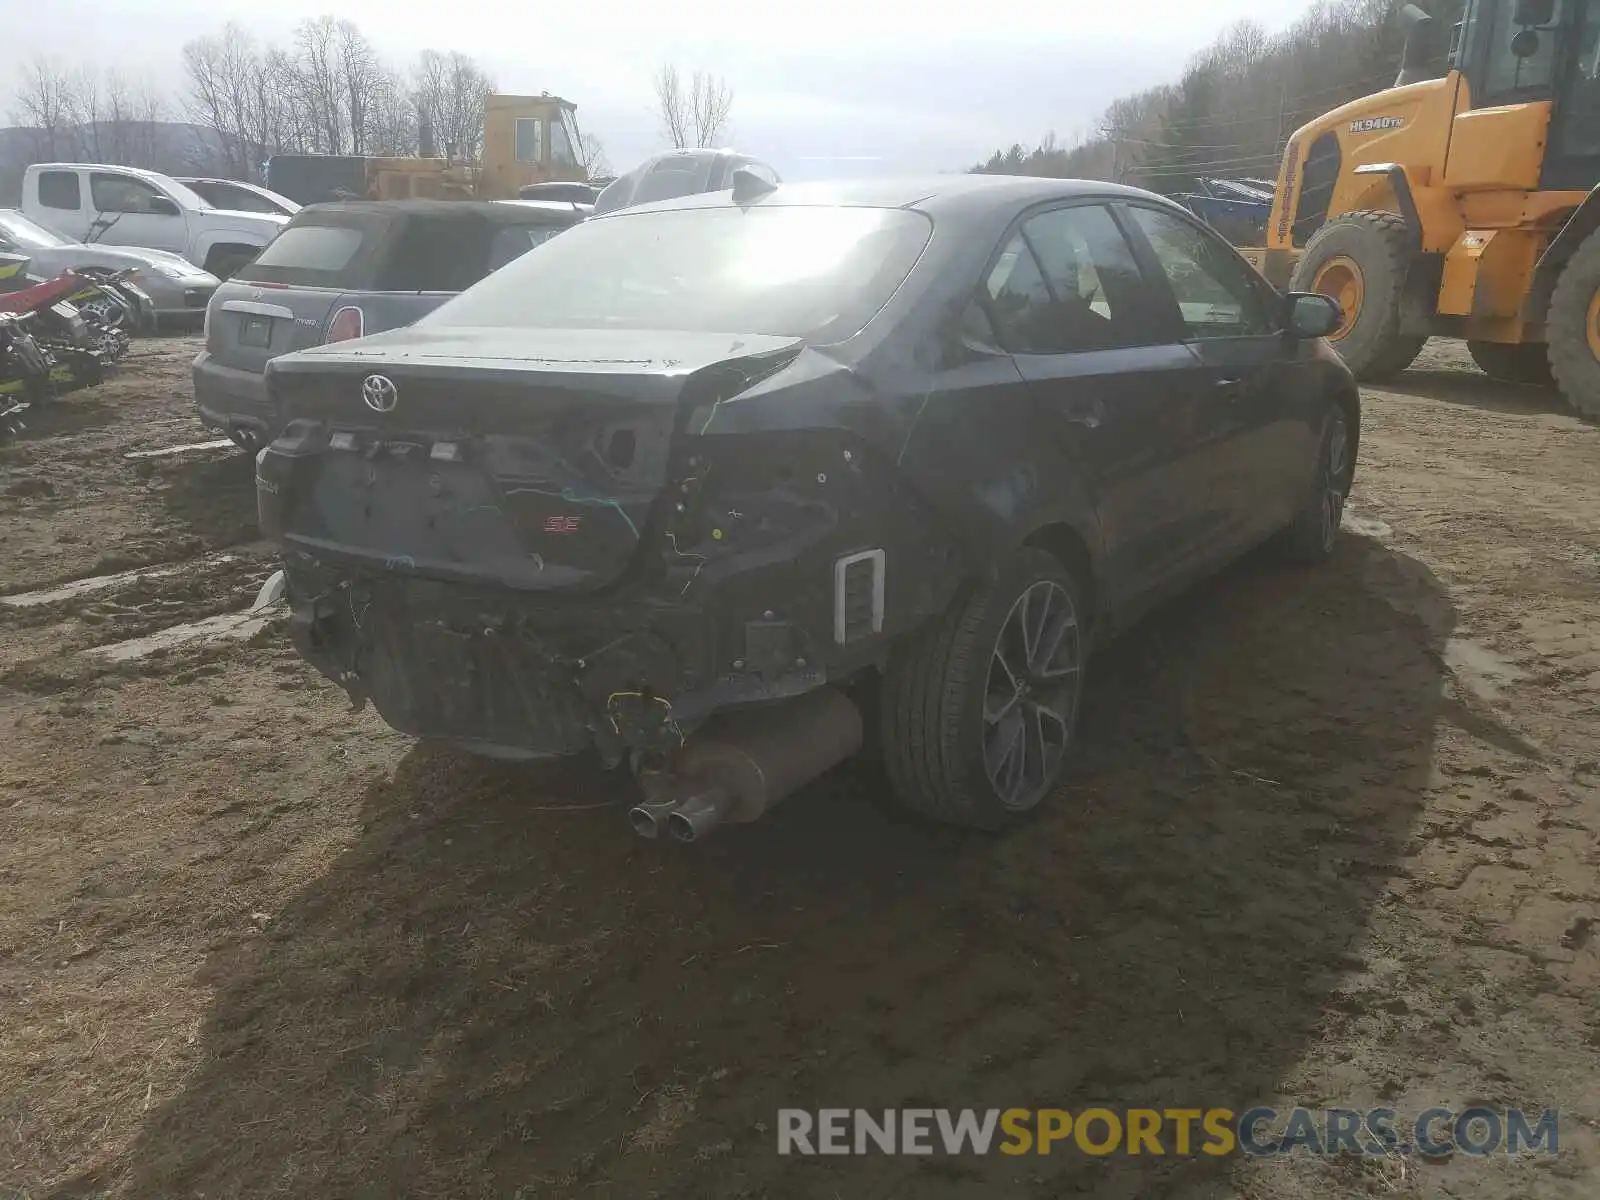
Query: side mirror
(1528, 13)
(163, 206)
(1313, 315)
(1525, 44)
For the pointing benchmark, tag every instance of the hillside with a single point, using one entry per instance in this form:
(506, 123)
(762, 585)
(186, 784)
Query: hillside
(1239, 99)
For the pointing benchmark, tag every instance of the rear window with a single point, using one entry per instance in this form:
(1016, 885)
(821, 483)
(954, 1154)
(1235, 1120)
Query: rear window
(813, 272)
(312, 255)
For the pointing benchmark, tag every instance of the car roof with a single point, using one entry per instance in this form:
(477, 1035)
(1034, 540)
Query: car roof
(934, 194)
(84, 166)
(554, 207)
(506, 212)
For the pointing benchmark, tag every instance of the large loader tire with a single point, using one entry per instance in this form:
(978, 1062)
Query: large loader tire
(1524, 362)
(1573, 329)
(1361, 259)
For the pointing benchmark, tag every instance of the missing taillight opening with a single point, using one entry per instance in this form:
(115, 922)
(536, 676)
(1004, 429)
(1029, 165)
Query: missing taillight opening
(347, 323)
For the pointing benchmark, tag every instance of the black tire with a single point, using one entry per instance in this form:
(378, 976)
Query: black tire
(1570, 327)
(933, 696)
(1380, 244)
(1521, 362)
(1310, 538)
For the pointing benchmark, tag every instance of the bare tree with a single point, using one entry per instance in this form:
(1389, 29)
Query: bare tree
(83, 112)
(318, 82)
(710, 102)
(592, 156)
(43, 105)
(449, 92)
(224, 75)
(672, 106)
(696, 115)
(391, 121)
(328, 92)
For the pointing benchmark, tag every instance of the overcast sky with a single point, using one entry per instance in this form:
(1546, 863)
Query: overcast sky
(825, 88)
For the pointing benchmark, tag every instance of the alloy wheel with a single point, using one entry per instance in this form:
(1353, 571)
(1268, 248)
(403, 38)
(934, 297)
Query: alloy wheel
(1031, 695)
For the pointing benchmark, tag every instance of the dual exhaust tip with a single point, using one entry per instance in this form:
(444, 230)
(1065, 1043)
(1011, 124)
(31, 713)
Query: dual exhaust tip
(681, 820)
(745, 763)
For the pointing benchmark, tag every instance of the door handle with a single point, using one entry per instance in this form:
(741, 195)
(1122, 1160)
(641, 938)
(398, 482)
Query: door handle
(1230, 387)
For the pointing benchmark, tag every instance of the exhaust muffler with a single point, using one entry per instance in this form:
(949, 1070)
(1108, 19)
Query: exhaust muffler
(745, 762)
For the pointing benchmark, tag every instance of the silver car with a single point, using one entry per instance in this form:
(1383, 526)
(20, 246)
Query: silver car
(178, 289)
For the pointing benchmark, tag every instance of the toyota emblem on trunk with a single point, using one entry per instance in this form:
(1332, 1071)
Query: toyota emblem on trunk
(379, 392)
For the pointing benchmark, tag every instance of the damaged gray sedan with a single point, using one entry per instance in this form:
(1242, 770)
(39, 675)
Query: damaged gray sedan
(710, 484)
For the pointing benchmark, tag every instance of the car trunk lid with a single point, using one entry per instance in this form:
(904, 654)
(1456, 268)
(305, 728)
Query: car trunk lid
(537, 459)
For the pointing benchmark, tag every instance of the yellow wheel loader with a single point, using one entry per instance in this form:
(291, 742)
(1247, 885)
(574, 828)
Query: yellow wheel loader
(1462, 207)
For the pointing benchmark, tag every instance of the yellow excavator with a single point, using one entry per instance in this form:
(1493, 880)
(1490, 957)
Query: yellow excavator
(526, 140)
(1464, 206)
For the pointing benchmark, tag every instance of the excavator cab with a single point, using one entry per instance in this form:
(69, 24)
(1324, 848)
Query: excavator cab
(1538, 52)
(1465, 206)
(527, 140)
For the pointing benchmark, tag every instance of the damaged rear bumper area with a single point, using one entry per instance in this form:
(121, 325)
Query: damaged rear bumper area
(775, 564)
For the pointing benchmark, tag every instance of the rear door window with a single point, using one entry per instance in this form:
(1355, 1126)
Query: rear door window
(60, 189)
(1067, 282)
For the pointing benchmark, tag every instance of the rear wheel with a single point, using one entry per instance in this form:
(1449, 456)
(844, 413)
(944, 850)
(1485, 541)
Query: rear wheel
(979, 711)
(1523, 362)
(1573, 329)
(1362, 259)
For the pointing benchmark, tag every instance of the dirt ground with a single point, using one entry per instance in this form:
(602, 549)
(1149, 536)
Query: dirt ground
(1334, 840)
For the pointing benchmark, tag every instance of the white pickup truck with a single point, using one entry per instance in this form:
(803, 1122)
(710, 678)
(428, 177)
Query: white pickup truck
(126, 206)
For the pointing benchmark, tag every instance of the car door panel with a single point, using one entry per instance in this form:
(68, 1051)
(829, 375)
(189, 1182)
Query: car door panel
(124, 214)
(1129, 424)
(1253, 379)
(1112, 383)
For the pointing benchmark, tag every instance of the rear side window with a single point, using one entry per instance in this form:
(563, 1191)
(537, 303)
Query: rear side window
(236, 199)
(312, 255)
(436, 255)
(671, 178)
(1068, 282)
(60, 189)
(511, 244)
